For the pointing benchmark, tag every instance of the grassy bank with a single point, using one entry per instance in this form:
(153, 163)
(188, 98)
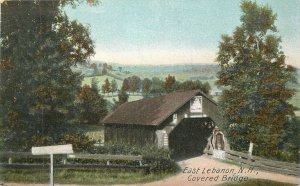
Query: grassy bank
(77, 176)
(257, 182)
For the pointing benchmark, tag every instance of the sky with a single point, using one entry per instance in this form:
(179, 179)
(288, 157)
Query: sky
(175, 31)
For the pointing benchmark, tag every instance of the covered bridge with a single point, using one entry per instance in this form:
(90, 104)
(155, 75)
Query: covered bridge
(180, 121)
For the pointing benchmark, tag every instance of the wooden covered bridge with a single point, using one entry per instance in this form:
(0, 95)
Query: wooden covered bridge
(184, 122)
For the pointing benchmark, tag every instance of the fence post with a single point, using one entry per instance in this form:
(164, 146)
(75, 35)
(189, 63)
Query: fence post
(64, 160)
(10, 160)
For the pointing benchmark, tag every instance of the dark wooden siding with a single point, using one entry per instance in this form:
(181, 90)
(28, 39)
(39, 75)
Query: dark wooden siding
(129, 134)
(212, 110)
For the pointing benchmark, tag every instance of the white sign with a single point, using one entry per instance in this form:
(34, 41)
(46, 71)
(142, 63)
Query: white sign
(196, 104)
(220, 154)
(57, 149)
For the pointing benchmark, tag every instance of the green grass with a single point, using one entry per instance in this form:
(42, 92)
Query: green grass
(257, 182)
(77, 176)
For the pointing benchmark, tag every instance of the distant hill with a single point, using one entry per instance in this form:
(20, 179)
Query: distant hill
(182, 72)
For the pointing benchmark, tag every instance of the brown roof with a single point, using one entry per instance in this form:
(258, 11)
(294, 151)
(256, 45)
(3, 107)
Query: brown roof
(152, 111)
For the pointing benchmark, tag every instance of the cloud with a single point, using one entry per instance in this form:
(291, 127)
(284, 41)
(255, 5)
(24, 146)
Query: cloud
(155, 56)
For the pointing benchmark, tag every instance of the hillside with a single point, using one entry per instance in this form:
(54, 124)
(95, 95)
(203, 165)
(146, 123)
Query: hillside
(182, 72)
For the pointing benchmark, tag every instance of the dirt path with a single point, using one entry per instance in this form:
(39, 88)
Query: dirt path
(219, 172)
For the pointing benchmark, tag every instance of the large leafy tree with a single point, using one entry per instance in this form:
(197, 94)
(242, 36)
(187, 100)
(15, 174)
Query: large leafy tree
(256, 81)
(92, 106)
(39, 44)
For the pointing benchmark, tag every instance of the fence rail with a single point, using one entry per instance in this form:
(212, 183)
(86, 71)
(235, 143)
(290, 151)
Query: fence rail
(261, 163)
(68, 161)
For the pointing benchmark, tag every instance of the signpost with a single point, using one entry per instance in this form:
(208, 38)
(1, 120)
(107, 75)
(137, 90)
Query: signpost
(50, 150)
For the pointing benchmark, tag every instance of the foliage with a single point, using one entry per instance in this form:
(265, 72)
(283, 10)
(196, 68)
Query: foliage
(94, 84)
(255, 80)
(289, 142)
(92, 107)
(134, 83)
(158, 159)
(114, 86)
(106, 87)
(156, 86)
(111, 148)
(194, 85)
(39, 45)
(169, 83)
(125, 85)
(104, 69)
(80, 142)
(146, 83)
(123, 97)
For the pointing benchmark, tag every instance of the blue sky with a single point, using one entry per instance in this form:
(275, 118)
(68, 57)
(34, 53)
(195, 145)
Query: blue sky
(175, 31)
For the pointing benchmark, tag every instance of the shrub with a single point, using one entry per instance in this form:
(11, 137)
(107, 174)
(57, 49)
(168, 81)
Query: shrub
(159, 160)
(80, 142)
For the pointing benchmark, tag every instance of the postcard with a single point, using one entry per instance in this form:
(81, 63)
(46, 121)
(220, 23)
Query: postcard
(137, 92)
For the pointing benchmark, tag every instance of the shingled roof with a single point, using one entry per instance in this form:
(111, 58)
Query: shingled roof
(152, 111)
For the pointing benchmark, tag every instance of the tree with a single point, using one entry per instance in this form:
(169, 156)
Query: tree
(106, 87)
(134, 83)
(104, 69)
(114, 86)
(146, 83)
(205, 87)
(94, 84)
(169, 83)
(194, 85)
(125, 85)
(156, 87)
(92, 106)
(122, 98)
(39, 45)
(255, 80)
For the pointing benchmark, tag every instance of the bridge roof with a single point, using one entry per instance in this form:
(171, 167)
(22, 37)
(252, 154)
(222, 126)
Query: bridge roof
(151, 111)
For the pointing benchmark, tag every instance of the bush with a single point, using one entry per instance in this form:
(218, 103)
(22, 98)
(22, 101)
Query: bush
(158, 159)
(80, 142)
